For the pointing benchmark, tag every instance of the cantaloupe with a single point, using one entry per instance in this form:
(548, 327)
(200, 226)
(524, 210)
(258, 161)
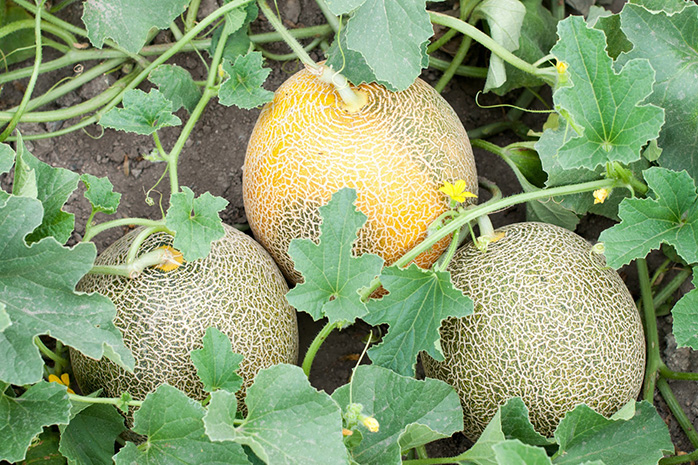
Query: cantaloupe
(552, 325)
(396, 152)
(163, 316)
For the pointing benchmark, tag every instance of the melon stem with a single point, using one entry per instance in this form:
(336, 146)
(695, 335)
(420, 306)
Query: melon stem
(651, 332)
(135, 267)
(104, 400)
(317, 342)
(352, 99)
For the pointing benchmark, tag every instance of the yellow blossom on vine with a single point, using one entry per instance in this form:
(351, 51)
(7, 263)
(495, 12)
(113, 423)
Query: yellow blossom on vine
(347, 432)
(561, 67)
(172, 260)
(64, 380)
(371, 423)
(456, 191)
(600, 195)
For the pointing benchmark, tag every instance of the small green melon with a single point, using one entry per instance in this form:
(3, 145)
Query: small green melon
(551, 325)
(163, 316)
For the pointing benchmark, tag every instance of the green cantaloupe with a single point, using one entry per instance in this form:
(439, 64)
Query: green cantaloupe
(551, 325)
(163, 316)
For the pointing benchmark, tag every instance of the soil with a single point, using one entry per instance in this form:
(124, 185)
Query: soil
(212, 160)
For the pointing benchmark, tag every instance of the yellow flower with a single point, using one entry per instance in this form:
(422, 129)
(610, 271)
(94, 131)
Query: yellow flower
(561, 67)
(64, 380)
(456, 191)
(171, 260)
(347, 432)
(600, 195)
(371, 423)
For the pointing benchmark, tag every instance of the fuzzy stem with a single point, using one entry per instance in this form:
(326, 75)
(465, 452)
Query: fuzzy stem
(677, 411)
(461, 70)
(292, 55)
(672, 287)
(453, 66)
(315, 345)
(445, 259)
(60, 362)
(473, 213)
(681, 375)
(487, 41)
(92, 231)
(677, 459)
(32, 80)
(192, 11)
(651, 333)
(138, 241)
(15, 26)
(134, 268)
(288, 38)
(329, 16)
(104, 400)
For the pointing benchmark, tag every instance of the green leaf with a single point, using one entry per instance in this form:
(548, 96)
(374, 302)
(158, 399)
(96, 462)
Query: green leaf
(238, 42)
(504, 18)
(175, 428)
(44, 450)
(288, 421)
(128, 21)
(352, 63)
(216, 363)
(5, 321)
(685, 313)
(24, 417)
(410, 412)
(332, 275)
(7, 158)
(24, 182)
(607, 107)
(142, 113)
(585, 436)
(482, 452)
(37, 286)
(90, 436)
(537, 38)
(391, 35)
(668, 6)
(672, 50)
(100, 193)
(19, 45)
(195, 221)
(515, 452)
(516, 424)
(177, 85)
(53, 188)
(670, 216)
(418, 301)
(243, 87)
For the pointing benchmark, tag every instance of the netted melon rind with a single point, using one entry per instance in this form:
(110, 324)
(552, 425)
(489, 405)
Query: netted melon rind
(551, 325)
(396, 152)
(237, 288)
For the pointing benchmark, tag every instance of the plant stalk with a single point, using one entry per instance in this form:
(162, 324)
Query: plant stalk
(654, 360)
(315, 345)
(104, 400)
(677, 411)
(92, 231)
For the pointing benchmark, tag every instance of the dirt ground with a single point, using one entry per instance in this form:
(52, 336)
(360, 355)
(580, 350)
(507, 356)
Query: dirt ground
(212, 161)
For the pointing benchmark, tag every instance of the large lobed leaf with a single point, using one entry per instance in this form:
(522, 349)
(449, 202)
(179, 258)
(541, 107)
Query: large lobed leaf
(216, 363)
(669, 216)
(90, 436)
(174, 426)
(419, 300)
(389, 36)
(37, 287)
(410, 412)
(670, 43)
(142, 113)
(288, 421)
(24, 417)
(177, 85)
(612, 122)
(332, 274)
(195, 221)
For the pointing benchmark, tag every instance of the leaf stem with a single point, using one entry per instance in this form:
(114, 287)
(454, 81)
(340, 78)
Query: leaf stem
(192, 12)
(34, 76)
(134, 268)
(455, 63)
(654, 360)
(445, 259)
(138, 241)
(461, 70)
(677, 411)
(677, 459)
(60, 362)
(329, 16)
(104, 400)
(681, 375)
(92, 231)
(315, 345)
(479, 36)
(672, 286)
